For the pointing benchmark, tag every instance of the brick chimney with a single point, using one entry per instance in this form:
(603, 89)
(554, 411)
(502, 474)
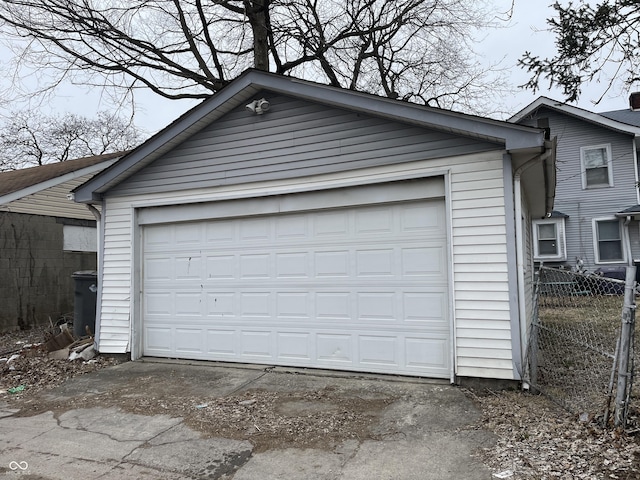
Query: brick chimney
(634, 101)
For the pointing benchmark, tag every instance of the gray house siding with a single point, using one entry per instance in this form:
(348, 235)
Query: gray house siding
(580, 204)
(296, 138)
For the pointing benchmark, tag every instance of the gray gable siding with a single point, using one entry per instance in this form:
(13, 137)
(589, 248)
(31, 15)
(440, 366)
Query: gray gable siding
(294, 138)
(582, 205)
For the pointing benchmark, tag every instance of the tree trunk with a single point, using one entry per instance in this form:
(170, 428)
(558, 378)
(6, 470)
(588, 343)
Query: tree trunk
(258, 14)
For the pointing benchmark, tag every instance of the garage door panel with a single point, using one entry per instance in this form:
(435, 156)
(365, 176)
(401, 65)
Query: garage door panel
(360, 288)
(292, 265)
(256, 344)
(294, 345)
(189, 341)
(222, 343)
(291, 227)
(221, 267)
(331, 225)
(255, 230)
(188, 267)
(158, 340)
(334, 348)
(255, 304)
(332, 263)
(158, 303)
(374, 221)
(220, 304)
(375, 263)
(378, 306)
(378, 350)
(158, 268)
(426, 261)
(427, 353)
(295, 305)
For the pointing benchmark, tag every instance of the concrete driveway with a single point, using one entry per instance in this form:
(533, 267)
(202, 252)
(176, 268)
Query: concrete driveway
(173, 420)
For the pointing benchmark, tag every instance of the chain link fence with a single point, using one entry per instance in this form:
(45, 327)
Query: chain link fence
(574, 346)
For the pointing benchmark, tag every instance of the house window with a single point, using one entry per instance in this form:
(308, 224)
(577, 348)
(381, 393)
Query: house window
(596, 166)
(608, 241)
(549, 240)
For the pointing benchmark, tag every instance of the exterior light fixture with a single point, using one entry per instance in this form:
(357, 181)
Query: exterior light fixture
(259, 106)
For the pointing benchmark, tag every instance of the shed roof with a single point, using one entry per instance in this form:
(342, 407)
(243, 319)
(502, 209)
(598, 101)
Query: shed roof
(15, 180)
(44, 190)
(242, 89)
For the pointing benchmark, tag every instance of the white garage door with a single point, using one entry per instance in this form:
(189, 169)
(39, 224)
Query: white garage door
(360, 288)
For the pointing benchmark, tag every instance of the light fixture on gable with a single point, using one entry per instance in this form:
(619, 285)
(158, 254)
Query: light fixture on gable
(259, 106)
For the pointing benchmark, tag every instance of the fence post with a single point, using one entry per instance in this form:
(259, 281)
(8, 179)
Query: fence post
(628, 318)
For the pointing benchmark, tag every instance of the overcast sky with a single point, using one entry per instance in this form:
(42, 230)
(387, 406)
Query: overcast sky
(505, 45)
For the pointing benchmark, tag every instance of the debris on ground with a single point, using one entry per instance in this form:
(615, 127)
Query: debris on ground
(535, 439)
(539, 440)
(43, 357)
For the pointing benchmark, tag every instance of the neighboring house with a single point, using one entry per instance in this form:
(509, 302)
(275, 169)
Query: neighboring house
(44, 238)
(595, 222)
(284, 222)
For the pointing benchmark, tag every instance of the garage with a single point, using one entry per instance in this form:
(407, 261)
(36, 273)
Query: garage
(336, 230)
(350, 279)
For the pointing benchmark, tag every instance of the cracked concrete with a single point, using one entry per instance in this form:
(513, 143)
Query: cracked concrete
(428, 432)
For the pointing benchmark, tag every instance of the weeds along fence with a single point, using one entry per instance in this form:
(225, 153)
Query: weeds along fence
(580, 351)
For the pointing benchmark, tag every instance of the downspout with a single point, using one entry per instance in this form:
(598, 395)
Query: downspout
(522, 309)
(98, 216)
(627, 240)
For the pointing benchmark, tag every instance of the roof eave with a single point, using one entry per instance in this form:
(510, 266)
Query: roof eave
(575, 112)
(52, 182)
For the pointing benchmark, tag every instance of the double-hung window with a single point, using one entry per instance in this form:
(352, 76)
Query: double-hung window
(549, 240)
(607, 234)
(597, 170)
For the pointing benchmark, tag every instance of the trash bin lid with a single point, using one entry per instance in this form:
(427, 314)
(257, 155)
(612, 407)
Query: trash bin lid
(85, 274)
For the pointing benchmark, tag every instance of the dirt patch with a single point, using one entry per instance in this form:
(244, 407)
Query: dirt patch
(269, 420)
(318, 419)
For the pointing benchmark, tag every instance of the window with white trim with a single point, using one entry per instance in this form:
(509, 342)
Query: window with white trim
(607, 239)
(597, 170)
(548, 240)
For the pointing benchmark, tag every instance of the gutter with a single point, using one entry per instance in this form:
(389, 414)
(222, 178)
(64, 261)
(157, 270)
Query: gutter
(96, 334)
(517, 187)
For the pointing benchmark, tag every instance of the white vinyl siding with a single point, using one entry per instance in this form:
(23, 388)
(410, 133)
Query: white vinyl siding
(597, 167)
(482, 331)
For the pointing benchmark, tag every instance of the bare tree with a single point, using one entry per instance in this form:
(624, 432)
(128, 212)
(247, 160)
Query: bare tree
(416, 50)
(28, 139)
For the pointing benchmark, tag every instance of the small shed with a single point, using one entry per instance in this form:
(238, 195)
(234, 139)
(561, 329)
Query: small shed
(44, 238)
(284, 222)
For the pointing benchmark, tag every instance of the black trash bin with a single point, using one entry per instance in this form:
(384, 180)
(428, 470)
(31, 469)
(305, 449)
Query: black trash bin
(611, 288)
(84, 310)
